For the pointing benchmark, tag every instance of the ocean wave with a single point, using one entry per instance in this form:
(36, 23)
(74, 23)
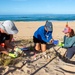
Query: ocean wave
(39, 17)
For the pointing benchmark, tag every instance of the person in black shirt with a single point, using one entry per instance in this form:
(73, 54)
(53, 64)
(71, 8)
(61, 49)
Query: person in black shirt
(7, 29)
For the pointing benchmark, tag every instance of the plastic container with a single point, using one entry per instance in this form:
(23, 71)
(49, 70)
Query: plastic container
(16, 53)
(24, 48)
(55, 42)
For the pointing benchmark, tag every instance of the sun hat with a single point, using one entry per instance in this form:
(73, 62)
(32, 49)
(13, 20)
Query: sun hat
(9, 27)
(49, 26)
(67, 30)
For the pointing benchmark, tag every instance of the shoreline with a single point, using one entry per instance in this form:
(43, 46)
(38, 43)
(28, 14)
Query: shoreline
(41, 21)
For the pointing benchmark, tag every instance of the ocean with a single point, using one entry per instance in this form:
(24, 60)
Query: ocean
(39, 17)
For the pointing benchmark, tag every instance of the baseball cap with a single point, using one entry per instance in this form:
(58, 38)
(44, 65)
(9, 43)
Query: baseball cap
(9, 27)
(49, 26)
(67, 30)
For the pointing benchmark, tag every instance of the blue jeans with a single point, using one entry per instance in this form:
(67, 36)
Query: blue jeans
(70, 52)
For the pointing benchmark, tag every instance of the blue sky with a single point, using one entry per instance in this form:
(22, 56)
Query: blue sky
(37, 7)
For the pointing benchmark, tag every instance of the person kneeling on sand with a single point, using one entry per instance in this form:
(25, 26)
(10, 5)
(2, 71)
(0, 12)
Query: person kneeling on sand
(7, 29)
(42, 36)
(69, 42)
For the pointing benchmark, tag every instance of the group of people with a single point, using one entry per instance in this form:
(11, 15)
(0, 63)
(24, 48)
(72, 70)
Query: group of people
(41, 37)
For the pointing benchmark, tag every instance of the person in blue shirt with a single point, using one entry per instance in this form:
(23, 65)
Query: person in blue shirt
(69, 42)
(42, 36)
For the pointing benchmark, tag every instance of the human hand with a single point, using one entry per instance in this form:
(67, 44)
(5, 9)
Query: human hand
(51, 41)
(12, 55)
(60, 44)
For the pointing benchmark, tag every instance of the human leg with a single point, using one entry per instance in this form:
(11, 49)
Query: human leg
(69, 53)
(37, 43)
(37, 46)
(43, 47)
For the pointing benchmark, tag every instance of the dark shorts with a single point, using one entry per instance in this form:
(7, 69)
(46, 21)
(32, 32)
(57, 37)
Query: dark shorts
(35, 40)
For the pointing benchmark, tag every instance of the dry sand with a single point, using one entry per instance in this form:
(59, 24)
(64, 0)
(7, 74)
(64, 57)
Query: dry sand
(46, 66)
(27, 29)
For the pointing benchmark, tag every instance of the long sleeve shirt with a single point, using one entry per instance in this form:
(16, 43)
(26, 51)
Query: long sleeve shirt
(69, 41)
(42, 34)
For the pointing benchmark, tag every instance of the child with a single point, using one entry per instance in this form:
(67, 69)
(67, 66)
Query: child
(7, 29)
(69, 42)
(42, 36)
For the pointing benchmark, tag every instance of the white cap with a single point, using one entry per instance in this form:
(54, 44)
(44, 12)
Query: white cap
(9, 27)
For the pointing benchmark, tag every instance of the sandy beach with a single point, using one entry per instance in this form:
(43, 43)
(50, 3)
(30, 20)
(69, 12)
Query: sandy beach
(27, 29)
(28, 16)
(53, 65)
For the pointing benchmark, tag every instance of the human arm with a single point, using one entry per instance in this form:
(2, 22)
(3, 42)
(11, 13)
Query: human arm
(4, 51)
(48, 37)
(7, 41)
(69, 42)
(9, 45)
